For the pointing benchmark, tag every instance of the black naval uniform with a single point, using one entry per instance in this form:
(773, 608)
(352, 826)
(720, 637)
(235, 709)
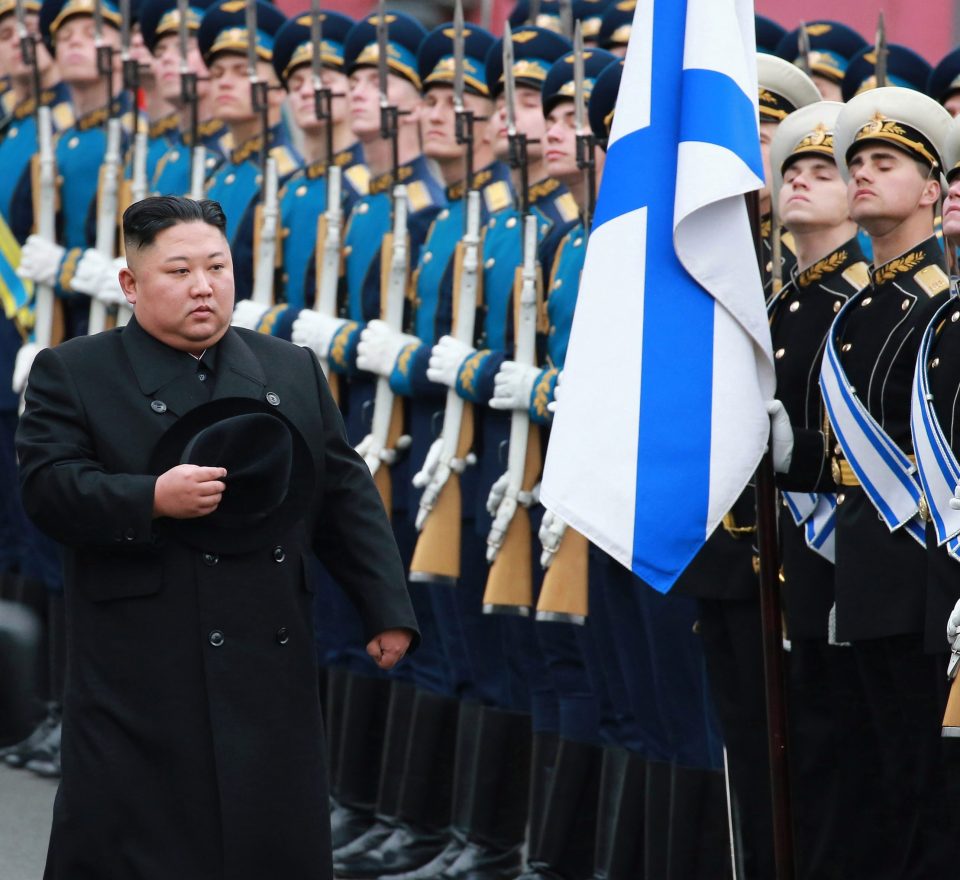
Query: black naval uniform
(829, 744)
(880, 576)
(788, 259)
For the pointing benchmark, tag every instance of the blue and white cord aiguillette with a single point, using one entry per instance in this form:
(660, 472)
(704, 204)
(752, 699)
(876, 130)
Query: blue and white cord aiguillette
(817, 513)
(661, 420)
(938, 467)
(888, 477)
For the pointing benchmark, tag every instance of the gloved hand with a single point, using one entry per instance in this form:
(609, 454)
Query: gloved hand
(953, 624)
(40, 260)
(552, 406)
(374, 454)
(512, 386)
(21, 366)
(315, 331)
(93, 273)
(379, 347)
(111, 293)
(445, 360)
(781, 433)
(552, 530)
(248, 314)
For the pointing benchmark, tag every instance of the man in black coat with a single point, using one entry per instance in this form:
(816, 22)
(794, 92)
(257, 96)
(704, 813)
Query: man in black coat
(192, 743)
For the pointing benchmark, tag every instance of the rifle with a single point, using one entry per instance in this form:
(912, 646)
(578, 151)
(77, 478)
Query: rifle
(109, 185)
(131, 83)
(330, 223)
(803, 49)
(566, 18)
(265, 223)
(881, 50)
(586, 143)
(45, 175)
(387, 427)
(510, 582)
(437, 553)
(191, 100)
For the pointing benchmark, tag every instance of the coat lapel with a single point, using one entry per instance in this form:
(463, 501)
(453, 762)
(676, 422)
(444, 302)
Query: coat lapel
(238, 372)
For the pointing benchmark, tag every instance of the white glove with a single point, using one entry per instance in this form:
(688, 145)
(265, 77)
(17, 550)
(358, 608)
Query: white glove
(40, 260)
(21, 366)
(953, 624)
(512, 386)
(445, 360)
(370, 450)
(552, 530)
(92, 273)
(111, 293)
(248, 314)
(552, 406)
(379, 347)
(315, 331)
(782, 436)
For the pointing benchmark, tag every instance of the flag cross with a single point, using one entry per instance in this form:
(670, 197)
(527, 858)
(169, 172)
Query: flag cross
(674, 443)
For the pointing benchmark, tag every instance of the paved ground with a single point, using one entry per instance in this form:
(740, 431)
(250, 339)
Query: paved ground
(26, 802)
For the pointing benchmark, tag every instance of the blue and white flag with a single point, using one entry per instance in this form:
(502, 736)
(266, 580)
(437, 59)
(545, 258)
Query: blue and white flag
(661, 419)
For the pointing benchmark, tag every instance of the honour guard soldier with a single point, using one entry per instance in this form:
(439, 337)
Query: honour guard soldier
(615, 27)
(768, 34)
(904, 68)
(70, 28)
(224, 43)
(160, 26)
(829, 744)
(783, 88)
(944, 83)
(303, 198)
(888, 145)
(547, 12)
(823, 50)
(590, 15)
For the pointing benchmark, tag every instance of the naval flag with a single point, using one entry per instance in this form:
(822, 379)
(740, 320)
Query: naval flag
(661, 420)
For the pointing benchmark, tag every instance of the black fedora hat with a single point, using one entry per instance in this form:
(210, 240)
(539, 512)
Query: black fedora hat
(270, 473)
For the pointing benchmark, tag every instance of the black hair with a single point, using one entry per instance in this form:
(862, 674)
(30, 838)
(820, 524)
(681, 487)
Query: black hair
(146, 219)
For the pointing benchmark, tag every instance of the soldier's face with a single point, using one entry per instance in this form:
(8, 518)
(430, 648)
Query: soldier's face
(952, 104)
(887, 187)
(303, 103)
(829, 90)
(181, 286)
(767, 131)
(11, 60)
(166, 67)
(529, 120)
(813, 195)
(560, 150)
(75, 49)
(951, 212)
(364, 101)
(230, 87)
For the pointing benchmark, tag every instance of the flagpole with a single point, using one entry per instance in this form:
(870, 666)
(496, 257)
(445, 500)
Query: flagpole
(771, 622)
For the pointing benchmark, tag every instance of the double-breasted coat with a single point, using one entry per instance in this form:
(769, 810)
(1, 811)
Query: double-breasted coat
(192, 739)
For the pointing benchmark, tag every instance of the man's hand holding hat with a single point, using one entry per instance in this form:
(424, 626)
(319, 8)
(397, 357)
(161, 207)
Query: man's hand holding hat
(188, 491)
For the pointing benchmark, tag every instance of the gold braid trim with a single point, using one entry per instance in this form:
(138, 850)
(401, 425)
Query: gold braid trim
(821, 268)
(901, 264)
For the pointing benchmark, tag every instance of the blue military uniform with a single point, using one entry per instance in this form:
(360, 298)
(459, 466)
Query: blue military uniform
(944, 79)
(832, 45)
(905, 68)
(768, 34)
(615, 26)
(236, 183)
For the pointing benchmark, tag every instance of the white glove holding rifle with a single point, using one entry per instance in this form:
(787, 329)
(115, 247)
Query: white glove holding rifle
(446, 358)
(40, 260)
(380, 346)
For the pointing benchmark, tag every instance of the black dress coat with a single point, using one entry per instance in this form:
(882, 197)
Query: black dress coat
(192, 734)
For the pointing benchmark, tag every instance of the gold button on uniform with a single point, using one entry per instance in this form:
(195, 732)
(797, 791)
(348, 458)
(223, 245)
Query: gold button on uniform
(934, 363)
(511, 222)
(867, 300)
(794, 306)
(362, 208)
(836, 307)
(443, 214)
(905, 305)
(955, 317)
(489, 262)
(301, 190)
(846, 346)
(780, 353)
(427, 257)
(230, 178)
(72, 143)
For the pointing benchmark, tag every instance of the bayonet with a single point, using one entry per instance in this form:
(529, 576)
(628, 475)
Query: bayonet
(389, 114)
(189, 96)
(104, 56)
(534, 12)
(464, 117)
(881, 51)
(585, 139)
(803, 49)
(486, 14)
(566, 17)
(322, 97)
(258, 87)
(28, 52)
(517, 139)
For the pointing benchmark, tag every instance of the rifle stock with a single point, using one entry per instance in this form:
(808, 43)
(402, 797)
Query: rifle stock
(564, 594)
(266, 219)
(107, 205)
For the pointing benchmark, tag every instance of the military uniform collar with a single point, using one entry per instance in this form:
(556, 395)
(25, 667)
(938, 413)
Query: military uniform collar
(251, 148)
(543, 189)
(48, 97)
(912, 259)
(206, 131)
(481, 179)
(845, 255)
(384, 182)
(164, 125)
(343, 159)
(98, 117)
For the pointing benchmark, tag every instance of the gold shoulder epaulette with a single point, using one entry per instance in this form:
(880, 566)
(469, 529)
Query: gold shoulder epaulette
(497, 196)
(359, 177)
(418, 195)
(286, 163)
(932, 280)
(567, 206)
(856, 275)
(63, 116)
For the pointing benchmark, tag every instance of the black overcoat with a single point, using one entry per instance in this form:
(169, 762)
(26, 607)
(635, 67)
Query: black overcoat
(192, 740)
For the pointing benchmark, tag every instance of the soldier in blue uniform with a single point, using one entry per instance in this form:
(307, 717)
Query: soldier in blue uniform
(303, 198)
(615, 27)
(944, 83)
(29, 564)
(159, 24)
(768, 34)
(590, 15)
(905, 69)
(68, 27)
(832, 45)
(223, 41)
(831, 753)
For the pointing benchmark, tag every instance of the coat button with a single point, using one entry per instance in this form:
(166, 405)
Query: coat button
(278, 554)
(130, 534)
(283, 636)
(215, 638)
(158, 406)
(273, 398)
(210, 559)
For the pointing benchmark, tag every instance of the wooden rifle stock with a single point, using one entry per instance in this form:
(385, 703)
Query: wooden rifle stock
(564, 595)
